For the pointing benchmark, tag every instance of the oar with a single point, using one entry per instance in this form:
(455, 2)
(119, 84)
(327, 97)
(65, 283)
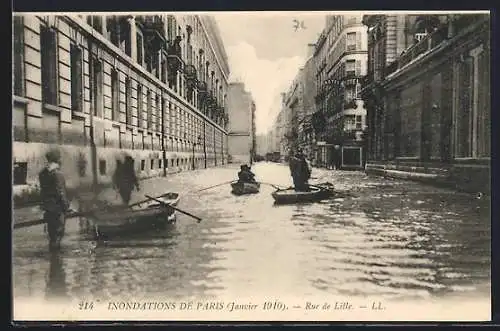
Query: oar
(79, 214)
(214, 186)
(273, 185)
(175, 208)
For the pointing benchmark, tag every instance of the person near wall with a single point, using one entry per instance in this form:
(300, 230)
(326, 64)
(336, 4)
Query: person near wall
(55, 203)
(125, 179)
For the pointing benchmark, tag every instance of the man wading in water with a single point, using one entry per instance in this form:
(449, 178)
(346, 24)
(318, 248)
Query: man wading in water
(125, 179)
(54, 199)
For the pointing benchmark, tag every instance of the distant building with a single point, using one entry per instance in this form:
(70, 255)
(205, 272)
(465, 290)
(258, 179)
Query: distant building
(427, 94)
(305, 129)
(241, 127)
(340, 118)
(262, 144)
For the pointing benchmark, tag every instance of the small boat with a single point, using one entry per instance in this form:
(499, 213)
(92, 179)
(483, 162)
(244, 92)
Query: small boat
(245, 188)
(143, 217)
(289, 195)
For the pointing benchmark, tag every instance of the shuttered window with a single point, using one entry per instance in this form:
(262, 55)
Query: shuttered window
(358, 41)
(115, 95)
(128, 101)
(18, 60)
(140, 108)
(48, 50)
(358, 68)
(76, 78)
(149, 111)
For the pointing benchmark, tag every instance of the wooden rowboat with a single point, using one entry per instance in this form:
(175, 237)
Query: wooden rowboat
(289, 195)
(245, 188)
(142, 217)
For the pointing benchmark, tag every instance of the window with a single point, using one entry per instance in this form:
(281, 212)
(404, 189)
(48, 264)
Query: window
(359, 122)
(350, 93)
(149, 111)
(102, 167)
(163, 71)
(139, 49)
(48, 50)
(351, 41)
(124, 34)
(152, 164)
(159, 164)
(143, 165)
(96, 77)
(18, 60)
(128, 96)
(473, 113)
(115, 95)
(76, 78)
(140, 102)
(158, 114)
(20, 173)
(95, 22)
(350, 67)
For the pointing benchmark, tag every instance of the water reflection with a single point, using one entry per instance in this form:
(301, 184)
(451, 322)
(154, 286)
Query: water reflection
(56, 278)
(376, 237)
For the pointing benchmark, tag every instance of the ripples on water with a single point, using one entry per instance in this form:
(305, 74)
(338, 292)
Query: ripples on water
(388, 238)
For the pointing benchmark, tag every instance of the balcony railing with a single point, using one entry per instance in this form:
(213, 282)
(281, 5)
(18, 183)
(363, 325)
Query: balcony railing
(425, 44)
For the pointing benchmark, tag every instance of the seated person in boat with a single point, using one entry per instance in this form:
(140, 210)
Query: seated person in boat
(125, 179)
(245, 175)
(300, 171)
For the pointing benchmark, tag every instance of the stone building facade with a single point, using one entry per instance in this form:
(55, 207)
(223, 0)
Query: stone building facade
(340, 117)
(97, 86)
(241, 128)
(428, 98)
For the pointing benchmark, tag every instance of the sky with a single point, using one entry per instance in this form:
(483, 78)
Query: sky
(265, 52)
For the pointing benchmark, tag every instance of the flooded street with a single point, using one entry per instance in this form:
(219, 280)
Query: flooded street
(378, 237)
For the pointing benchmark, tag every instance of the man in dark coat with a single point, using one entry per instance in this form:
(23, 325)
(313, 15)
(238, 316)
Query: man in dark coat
(125, 179)
(54, 198)
(300, 171)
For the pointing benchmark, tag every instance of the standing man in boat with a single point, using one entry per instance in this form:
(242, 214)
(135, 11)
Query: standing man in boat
(300, 171)
(125, 179)
(54, 198)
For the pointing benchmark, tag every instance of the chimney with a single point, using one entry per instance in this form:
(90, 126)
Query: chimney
(310, 50)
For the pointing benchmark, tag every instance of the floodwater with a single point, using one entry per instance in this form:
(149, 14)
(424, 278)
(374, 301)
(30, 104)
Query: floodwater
(377, 237)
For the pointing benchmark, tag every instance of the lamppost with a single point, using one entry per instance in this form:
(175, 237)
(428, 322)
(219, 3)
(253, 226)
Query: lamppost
(194, 144)
(205, 142)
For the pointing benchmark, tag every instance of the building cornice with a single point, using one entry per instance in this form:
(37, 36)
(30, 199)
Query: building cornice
(216, 55)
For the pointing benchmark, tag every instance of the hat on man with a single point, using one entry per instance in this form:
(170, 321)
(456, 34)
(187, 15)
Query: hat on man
(53, 156)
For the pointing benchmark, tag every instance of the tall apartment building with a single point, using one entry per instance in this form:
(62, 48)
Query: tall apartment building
(427, 93)
(241, 128)
(96, 86)
(341, 61)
